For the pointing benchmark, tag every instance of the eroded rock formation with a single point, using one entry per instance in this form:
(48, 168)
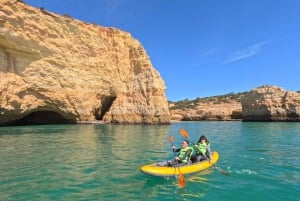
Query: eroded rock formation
(57, 69)
(208, 111)
(271, 103)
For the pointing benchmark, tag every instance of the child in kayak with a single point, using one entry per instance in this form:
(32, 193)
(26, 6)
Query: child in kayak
(203, 149)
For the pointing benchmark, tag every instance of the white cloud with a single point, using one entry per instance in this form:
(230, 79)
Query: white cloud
(246, 52)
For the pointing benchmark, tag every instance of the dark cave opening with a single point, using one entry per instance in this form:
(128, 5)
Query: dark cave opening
(43, 117)
(106, 104)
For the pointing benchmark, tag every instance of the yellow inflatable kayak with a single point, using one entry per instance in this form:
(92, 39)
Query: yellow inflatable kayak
(166, 171)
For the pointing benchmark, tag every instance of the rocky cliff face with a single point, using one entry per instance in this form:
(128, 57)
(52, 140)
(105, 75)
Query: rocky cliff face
(57, 69)
(271, 103)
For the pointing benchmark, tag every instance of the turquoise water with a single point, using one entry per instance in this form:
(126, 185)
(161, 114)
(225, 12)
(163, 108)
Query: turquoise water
(101, 162)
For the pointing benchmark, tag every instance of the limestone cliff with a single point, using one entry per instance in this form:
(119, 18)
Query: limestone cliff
(55, 68)
(220, 112)
(217, 108)
(271, 103)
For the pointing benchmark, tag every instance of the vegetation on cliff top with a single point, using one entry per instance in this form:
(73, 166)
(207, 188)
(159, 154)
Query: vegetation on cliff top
(191, 104)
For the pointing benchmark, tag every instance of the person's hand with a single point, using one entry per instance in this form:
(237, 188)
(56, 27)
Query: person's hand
(177, 158)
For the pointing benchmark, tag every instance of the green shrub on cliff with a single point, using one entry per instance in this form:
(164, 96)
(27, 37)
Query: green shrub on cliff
(191, 104)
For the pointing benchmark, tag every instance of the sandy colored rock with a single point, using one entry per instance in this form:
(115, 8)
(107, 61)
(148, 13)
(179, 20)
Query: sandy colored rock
(210, 111)
(271, 103)
(79, 71)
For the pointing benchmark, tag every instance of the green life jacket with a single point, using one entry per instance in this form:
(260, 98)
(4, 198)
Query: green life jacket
(202, 148)
(183, 156)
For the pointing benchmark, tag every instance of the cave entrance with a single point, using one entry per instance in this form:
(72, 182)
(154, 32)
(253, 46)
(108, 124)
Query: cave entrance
(106, 104)
(44, 117)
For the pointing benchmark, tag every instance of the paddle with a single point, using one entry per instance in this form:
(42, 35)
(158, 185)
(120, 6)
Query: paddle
(184, 134)
(224, 172)
(171, 140)
(181, 179)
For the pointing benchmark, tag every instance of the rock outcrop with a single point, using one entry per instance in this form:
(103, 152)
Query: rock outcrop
(208, 111)
(271, 103)
(57, 69)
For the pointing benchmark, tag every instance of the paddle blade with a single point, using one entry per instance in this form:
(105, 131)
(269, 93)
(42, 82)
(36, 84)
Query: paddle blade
(181, 180)
(224, 172)
(171, 139)
(184, 133)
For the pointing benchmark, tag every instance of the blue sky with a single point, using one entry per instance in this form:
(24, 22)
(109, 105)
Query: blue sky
(204, 48)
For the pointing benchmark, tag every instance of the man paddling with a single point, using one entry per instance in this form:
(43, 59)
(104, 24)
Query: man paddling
(183, 156)
(184, 153)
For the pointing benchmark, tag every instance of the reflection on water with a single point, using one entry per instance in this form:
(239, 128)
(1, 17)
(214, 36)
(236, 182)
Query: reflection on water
(67, 160)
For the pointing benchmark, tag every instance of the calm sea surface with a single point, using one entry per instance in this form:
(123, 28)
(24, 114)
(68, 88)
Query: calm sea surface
(101, 162)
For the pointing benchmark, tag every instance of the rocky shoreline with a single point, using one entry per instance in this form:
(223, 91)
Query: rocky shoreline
(91, 122)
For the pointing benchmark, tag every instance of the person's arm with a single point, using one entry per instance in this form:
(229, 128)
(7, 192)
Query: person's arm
(175, 150)
(208, 152)
(177, 157)
(195, 147)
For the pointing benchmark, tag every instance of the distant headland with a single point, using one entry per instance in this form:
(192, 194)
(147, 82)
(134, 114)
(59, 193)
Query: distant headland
(264, 103)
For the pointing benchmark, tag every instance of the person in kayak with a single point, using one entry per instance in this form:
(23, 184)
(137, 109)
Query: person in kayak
(203, 149)
(184, 153)
(183, 156)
